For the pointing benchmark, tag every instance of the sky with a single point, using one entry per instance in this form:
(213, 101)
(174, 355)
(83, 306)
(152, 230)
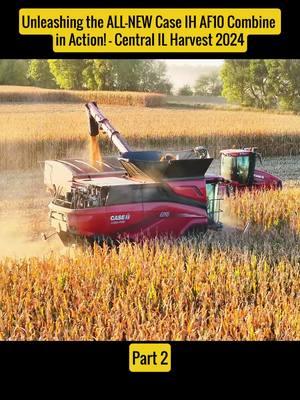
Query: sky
(194, 62)
(187, 71)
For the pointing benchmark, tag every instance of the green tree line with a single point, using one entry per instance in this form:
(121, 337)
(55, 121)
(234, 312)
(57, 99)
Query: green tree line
(257, 83)
(262, 83)
(206, 85)
(124, 75)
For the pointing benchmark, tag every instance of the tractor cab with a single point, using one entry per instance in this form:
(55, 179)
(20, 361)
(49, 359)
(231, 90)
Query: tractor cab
(238, 165)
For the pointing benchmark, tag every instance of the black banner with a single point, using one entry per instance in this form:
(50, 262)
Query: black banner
(14, 45)
(207, 365)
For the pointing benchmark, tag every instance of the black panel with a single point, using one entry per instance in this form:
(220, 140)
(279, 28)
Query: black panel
(155, 193)
(172, 169)
(160, 193)
(124, 195)
(148, 155)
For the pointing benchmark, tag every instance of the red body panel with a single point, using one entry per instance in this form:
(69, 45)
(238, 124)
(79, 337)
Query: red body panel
(144, 219)
(171, 218)
(262, 181)
(193, 188)
(134, 220)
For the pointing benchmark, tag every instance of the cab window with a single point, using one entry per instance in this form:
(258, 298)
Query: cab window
(213, 202)
(227, 164)
(242, 168)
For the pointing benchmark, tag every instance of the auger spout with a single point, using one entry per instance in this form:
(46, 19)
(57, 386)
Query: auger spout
(97, 121)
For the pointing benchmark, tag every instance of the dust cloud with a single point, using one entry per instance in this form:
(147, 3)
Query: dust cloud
(17, 242)
(230, 222)
(24, 208)
(24, 215)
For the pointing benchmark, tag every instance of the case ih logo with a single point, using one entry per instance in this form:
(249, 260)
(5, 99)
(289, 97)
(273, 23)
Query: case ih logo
(259, 176)
(119, 218)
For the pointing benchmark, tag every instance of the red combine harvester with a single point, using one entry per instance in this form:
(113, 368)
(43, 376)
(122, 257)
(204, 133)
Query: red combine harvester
(149, 193)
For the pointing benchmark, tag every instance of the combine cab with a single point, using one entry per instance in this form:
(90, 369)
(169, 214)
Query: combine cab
(149, 193)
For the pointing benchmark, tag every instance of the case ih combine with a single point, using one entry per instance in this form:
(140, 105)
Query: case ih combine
(148, 193)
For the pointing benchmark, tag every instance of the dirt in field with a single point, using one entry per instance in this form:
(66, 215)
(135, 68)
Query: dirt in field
(24, 215)
(24, 211)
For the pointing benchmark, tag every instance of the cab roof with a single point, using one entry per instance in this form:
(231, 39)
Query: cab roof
(236, 152)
